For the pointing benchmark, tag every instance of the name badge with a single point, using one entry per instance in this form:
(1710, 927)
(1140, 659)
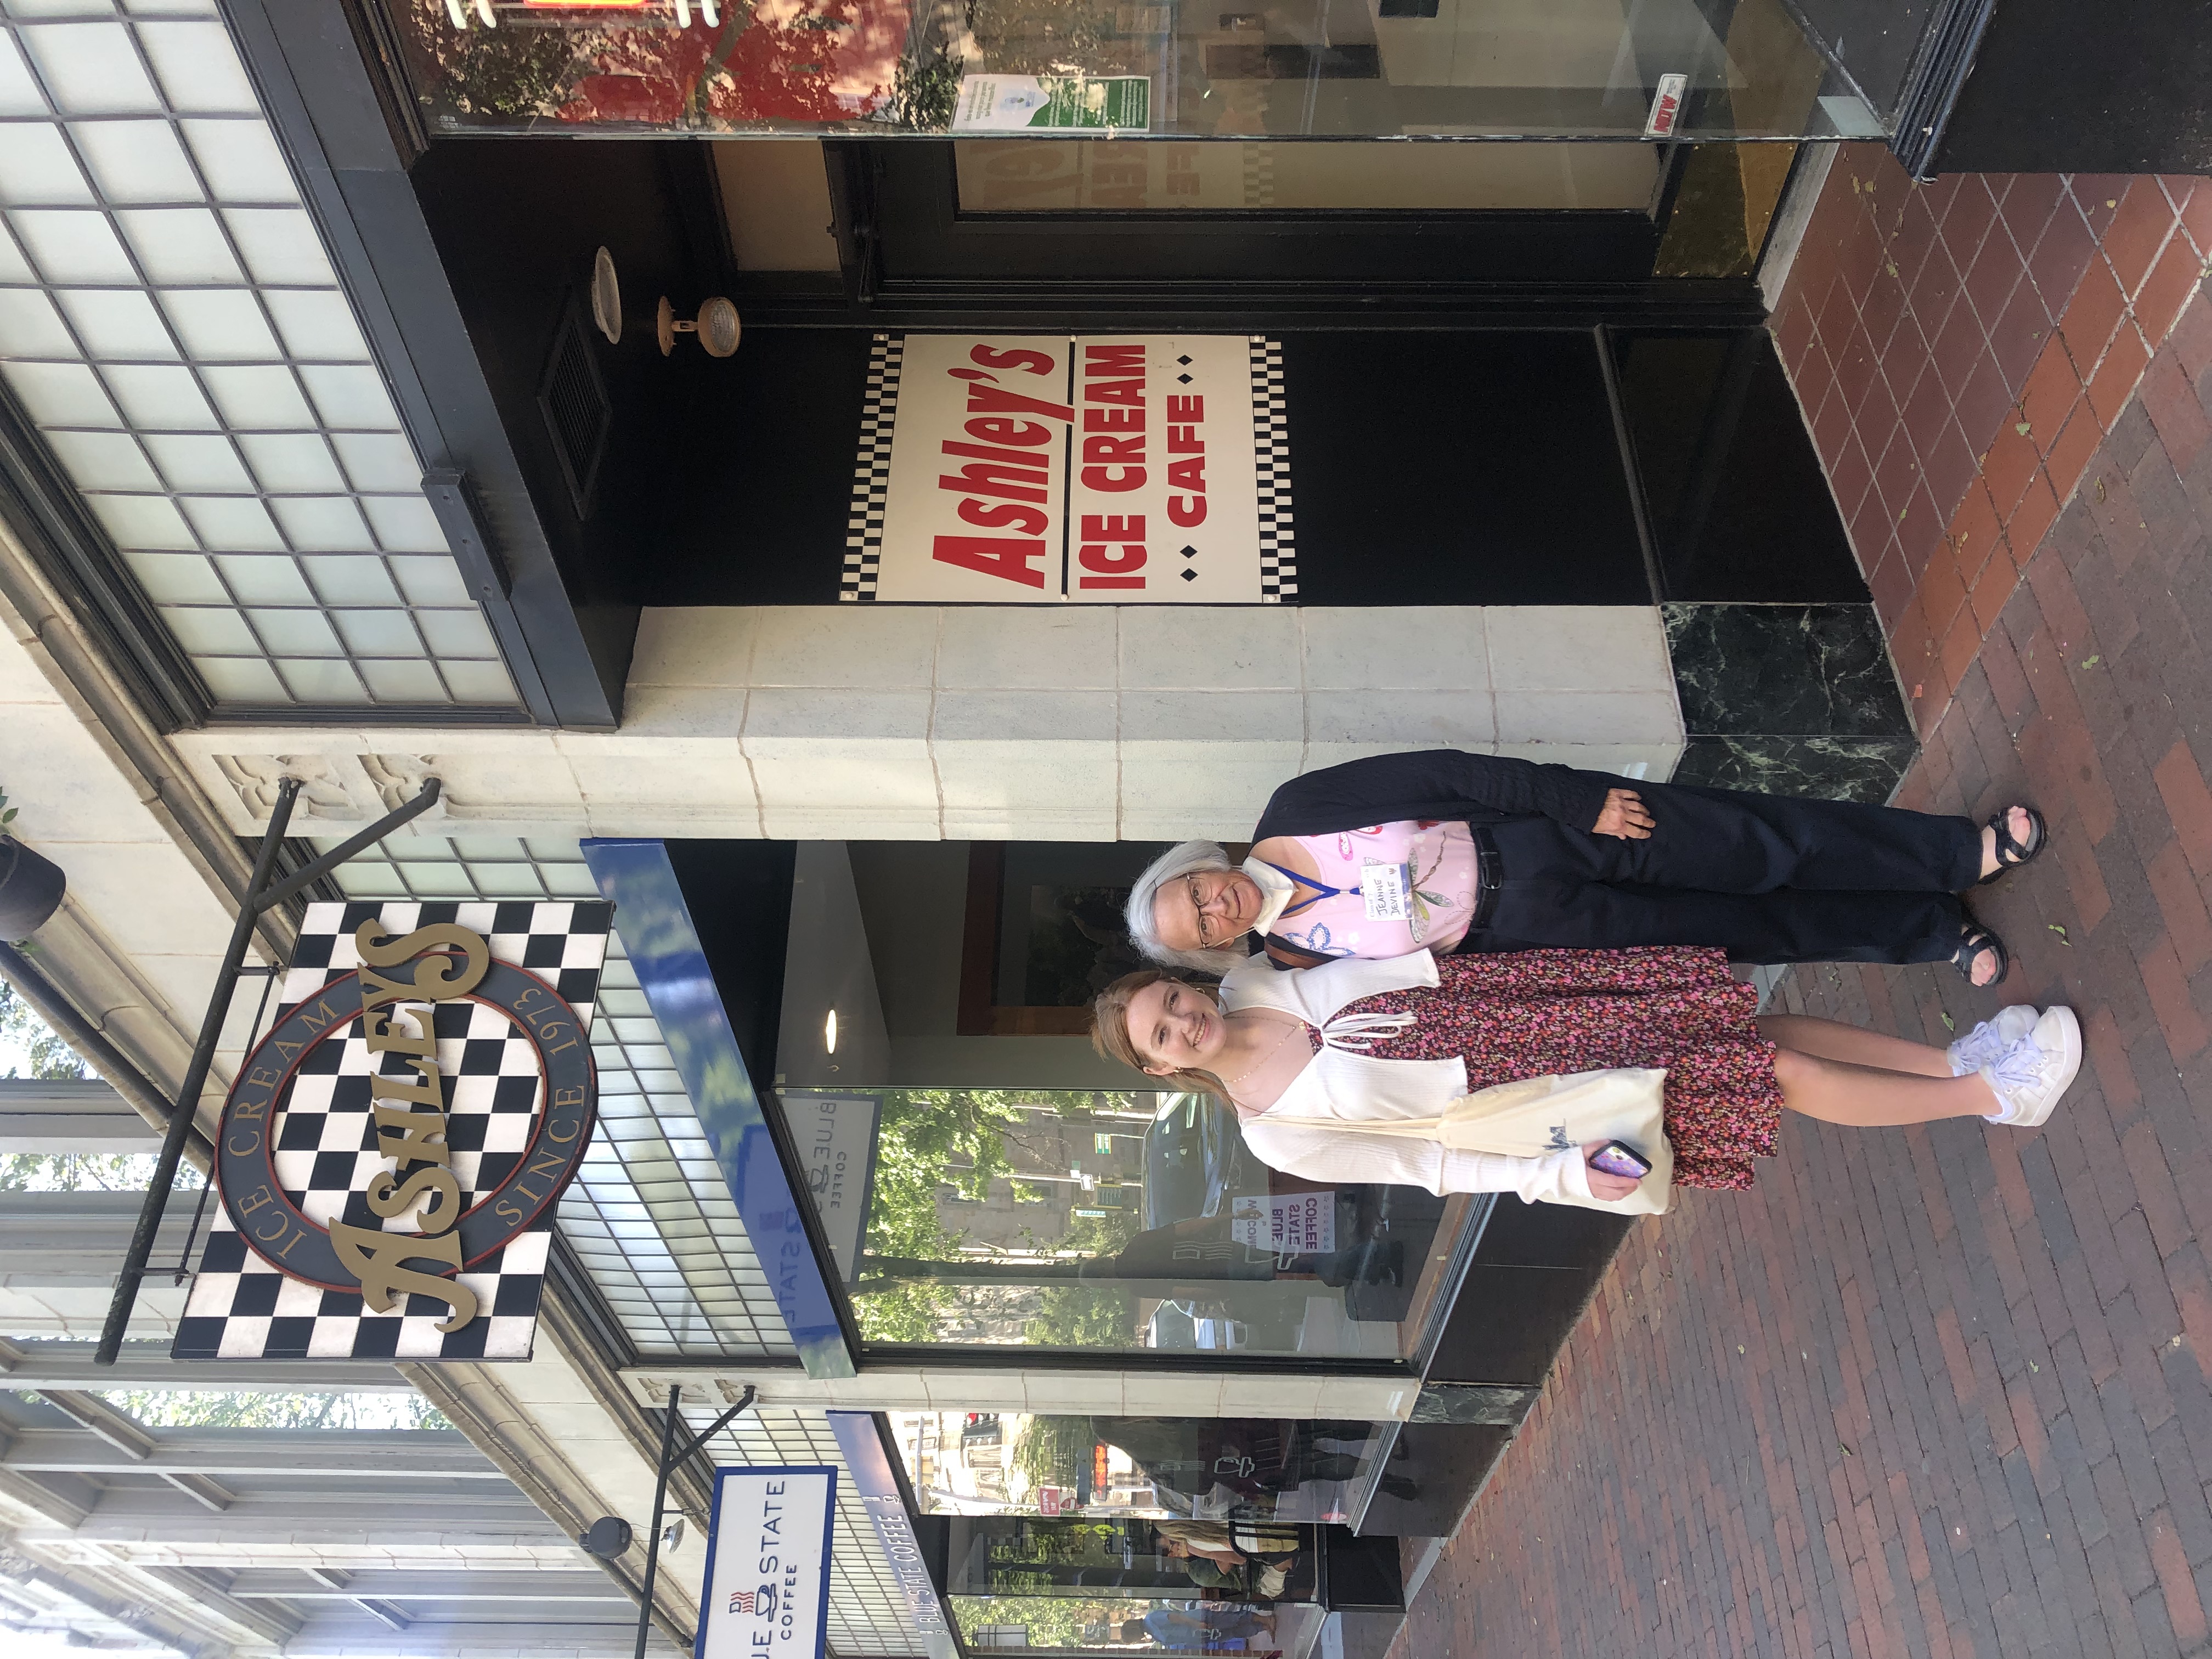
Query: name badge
(1386, 889)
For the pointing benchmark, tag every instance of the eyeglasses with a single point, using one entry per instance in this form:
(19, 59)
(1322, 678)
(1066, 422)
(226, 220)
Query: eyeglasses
(1198, 909)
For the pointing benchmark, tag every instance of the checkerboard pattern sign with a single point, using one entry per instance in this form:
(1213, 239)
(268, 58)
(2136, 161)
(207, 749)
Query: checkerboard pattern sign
(325, 1150)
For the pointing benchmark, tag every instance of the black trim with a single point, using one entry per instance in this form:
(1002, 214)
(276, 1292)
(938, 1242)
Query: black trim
(856, 177)
(566, 1273)
(1940, 68)
(44, 511)
(1638, 508)
(378, 43)
(365, 714)
(1014, 306)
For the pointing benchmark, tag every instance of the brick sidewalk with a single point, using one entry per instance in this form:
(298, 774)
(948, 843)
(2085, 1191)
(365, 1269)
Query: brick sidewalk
(1942, 1391)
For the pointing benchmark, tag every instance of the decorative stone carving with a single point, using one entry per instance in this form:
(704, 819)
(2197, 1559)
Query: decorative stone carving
(332, 787)
(398, 779)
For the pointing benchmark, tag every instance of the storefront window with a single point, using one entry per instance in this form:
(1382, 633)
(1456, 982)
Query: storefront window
(1070, 1586)
(1456, 69)
(1210, 1468)
(1072, 1219)
(1055, 1624)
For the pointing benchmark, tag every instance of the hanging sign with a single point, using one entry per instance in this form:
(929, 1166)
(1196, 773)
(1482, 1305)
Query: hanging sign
(1039, 469)
(878, 1489)
(835, 1135)
(768, 1565)
(389, 1157)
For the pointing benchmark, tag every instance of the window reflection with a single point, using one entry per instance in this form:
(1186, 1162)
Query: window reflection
(1104, 1219)
(1341, 68)
(1207, 1468)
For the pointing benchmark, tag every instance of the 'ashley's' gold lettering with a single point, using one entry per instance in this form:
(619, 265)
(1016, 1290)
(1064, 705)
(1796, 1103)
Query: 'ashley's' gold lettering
(375, 1259)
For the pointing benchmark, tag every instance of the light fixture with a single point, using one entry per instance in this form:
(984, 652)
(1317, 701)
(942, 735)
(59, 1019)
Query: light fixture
(608, 1537)
(830, 1033)
(716, 325)
(606, 297)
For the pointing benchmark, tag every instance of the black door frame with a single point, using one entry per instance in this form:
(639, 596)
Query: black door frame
(871, 292)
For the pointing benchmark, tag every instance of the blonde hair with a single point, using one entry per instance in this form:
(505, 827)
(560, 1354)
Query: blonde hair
(1110, 1030)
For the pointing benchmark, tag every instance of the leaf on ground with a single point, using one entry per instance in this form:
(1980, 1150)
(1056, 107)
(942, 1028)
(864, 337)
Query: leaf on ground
(2022, 428)
(2061, 932)
(1846, 1450)
(1949, 1023)
(2091, 662)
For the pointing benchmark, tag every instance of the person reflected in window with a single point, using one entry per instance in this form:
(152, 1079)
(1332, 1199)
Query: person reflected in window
(1200, 1627)
(1217, 1465)
(1449, 852)
(1245, 1559)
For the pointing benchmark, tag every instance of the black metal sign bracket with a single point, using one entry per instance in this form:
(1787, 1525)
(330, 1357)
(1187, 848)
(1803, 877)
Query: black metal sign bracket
(259, 897)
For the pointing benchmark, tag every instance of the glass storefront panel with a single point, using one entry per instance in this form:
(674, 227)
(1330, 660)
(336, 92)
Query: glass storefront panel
(1056, 1625)
(1451, 69)
(1073, 175)
(1076, 1220)
(1036, 1585)
(1211, 1468)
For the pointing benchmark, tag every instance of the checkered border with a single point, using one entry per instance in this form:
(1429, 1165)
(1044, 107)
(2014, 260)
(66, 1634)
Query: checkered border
(871, 471)
(1271, 473)
(241, 1308)
(1259, 175)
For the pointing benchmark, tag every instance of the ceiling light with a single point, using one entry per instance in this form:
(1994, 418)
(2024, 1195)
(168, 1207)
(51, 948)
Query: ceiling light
(830, 1033)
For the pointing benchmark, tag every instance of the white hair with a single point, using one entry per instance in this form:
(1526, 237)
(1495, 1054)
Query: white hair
(1189, 858)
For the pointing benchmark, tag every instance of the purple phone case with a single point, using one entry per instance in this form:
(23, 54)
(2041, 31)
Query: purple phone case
(1609, 1160)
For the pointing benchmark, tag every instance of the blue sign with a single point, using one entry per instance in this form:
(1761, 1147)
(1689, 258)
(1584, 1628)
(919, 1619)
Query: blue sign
(657, 931)
(870, 1466)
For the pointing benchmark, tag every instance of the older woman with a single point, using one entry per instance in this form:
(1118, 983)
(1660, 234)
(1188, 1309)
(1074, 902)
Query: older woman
(1319, 1063)
(1446, 851)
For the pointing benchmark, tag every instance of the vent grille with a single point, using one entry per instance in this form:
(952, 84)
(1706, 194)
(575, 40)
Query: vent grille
(572, 399)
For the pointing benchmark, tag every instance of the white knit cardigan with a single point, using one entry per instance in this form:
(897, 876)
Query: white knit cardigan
(1343, 1082)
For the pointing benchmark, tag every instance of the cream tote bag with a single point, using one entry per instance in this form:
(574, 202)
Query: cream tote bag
(1538, 1115)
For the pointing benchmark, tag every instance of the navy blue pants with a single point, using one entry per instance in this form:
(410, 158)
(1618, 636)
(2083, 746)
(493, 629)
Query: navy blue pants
(1770, 879)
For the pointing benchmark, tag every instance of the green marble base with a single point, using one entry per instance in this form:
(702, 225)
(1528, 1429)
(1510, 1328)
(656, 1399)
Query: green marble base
(1789, 700)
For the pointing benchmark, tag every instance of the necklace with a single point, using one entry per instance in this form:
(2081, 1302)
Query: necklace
(1264, 1059)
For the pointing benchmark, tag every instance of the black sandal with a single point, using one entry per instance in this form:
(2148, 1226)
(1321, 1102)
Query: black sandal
(2010, 854)
(1974, 940)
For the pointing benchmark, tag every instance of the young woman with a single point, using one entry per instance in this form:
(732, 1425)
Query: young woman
(1364, 1041)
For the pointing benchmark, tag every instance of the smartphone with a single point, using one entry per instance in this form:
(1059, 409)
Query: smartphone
(1617, 1157)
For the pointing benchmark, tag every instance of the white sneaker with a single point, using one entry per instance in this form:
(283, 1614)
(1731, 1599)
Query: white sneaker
(1987, 1042)
(2029, 1078)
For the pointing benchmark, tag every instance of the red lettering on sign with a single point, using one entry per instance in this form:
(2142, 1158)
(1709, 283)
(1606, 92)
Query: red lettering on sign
(1034, 362)
(996, 400)
(1102, 447)
(1029, 520)
(1009, 560)
(989, 478)
(1096, 555)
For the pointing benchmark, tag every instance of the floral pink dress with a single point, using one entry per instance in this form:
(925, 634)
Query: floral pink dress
(1532, 1013)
